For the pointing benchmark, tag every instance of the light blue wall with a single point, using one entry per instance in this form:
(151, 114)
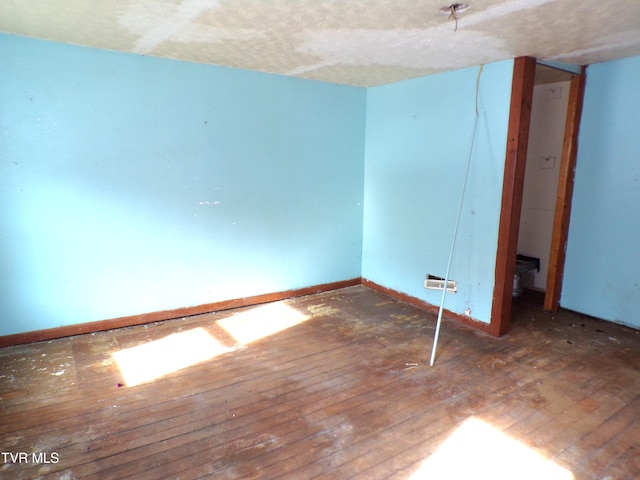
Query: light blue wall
(602, 269)
(418, 141)
(131, 184)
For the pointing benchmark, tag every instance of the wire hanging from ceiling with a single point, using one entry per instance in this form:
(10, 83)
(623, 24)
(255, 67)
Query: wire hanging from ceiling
(453, 10)
(455, 230)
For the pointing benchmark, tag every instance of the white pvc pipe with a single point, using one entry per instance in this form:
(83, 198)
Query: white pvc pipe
(455, 230)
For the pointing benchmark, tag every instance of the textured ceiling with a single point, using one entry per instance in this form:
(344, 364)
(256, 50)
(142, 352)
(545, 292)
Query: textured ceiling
(356, 42)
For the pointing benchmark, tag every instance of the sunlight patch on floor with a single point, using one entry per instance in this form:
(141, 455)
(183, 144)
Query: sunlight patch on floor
(480, 451)
(261, 322)
(152, 360)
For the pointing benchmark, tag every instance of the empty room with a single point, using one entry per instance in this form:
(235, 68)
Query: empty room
(318, 239)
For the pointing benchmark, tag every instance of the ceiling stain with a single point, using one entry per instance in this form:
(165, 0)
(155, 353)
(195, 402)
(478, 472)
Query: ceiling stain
(356, 42)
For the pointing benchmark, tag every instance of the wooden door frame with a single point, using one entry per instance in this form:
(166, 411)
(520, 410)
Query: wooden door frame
(512, 190)
(565, 193)
(524, 71)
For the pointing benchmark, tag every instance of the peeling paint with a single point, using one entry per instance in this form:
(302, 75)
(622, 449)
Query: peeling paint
(157, 23)
(324, 39)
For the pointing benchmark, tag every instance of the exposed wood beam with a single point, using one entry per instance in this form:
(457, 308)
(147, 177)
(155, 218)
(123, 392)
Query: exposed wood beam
(513, 184)
(565, 193)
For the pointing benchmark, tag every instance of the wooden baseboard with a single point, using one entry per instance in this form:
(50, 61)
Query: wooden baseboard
(485, 327)
(91, 327)
(129, 321)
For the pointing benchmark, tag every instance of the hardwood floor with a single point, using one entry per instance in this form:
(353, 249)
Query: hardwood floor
(343, 390)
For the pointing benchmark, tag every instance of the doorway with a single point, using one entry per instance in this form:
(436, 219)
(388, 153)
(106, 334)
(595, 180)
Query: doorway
(546, 132)
(525, 76)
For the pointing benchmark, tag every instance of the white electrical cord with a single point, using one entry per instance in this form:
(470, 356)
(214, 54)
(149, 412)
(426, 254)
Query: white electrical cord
(455, 231)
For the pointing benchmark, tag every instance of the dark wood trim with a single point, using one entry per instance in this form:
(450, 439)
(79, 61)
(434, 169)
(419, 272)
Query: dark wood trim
(416, 302)
(524, 71)
(90, 327)
(129, 321)
(565, 193)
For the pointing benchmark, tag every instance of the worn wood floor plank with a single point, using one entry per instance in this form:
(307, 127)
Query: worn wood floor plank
(343, 392)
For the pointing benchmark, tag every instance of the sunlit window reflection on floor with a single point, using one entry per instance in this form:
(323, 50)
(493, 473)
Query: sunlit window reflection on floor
(261, 322)
(478, 450)
(157, 358)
